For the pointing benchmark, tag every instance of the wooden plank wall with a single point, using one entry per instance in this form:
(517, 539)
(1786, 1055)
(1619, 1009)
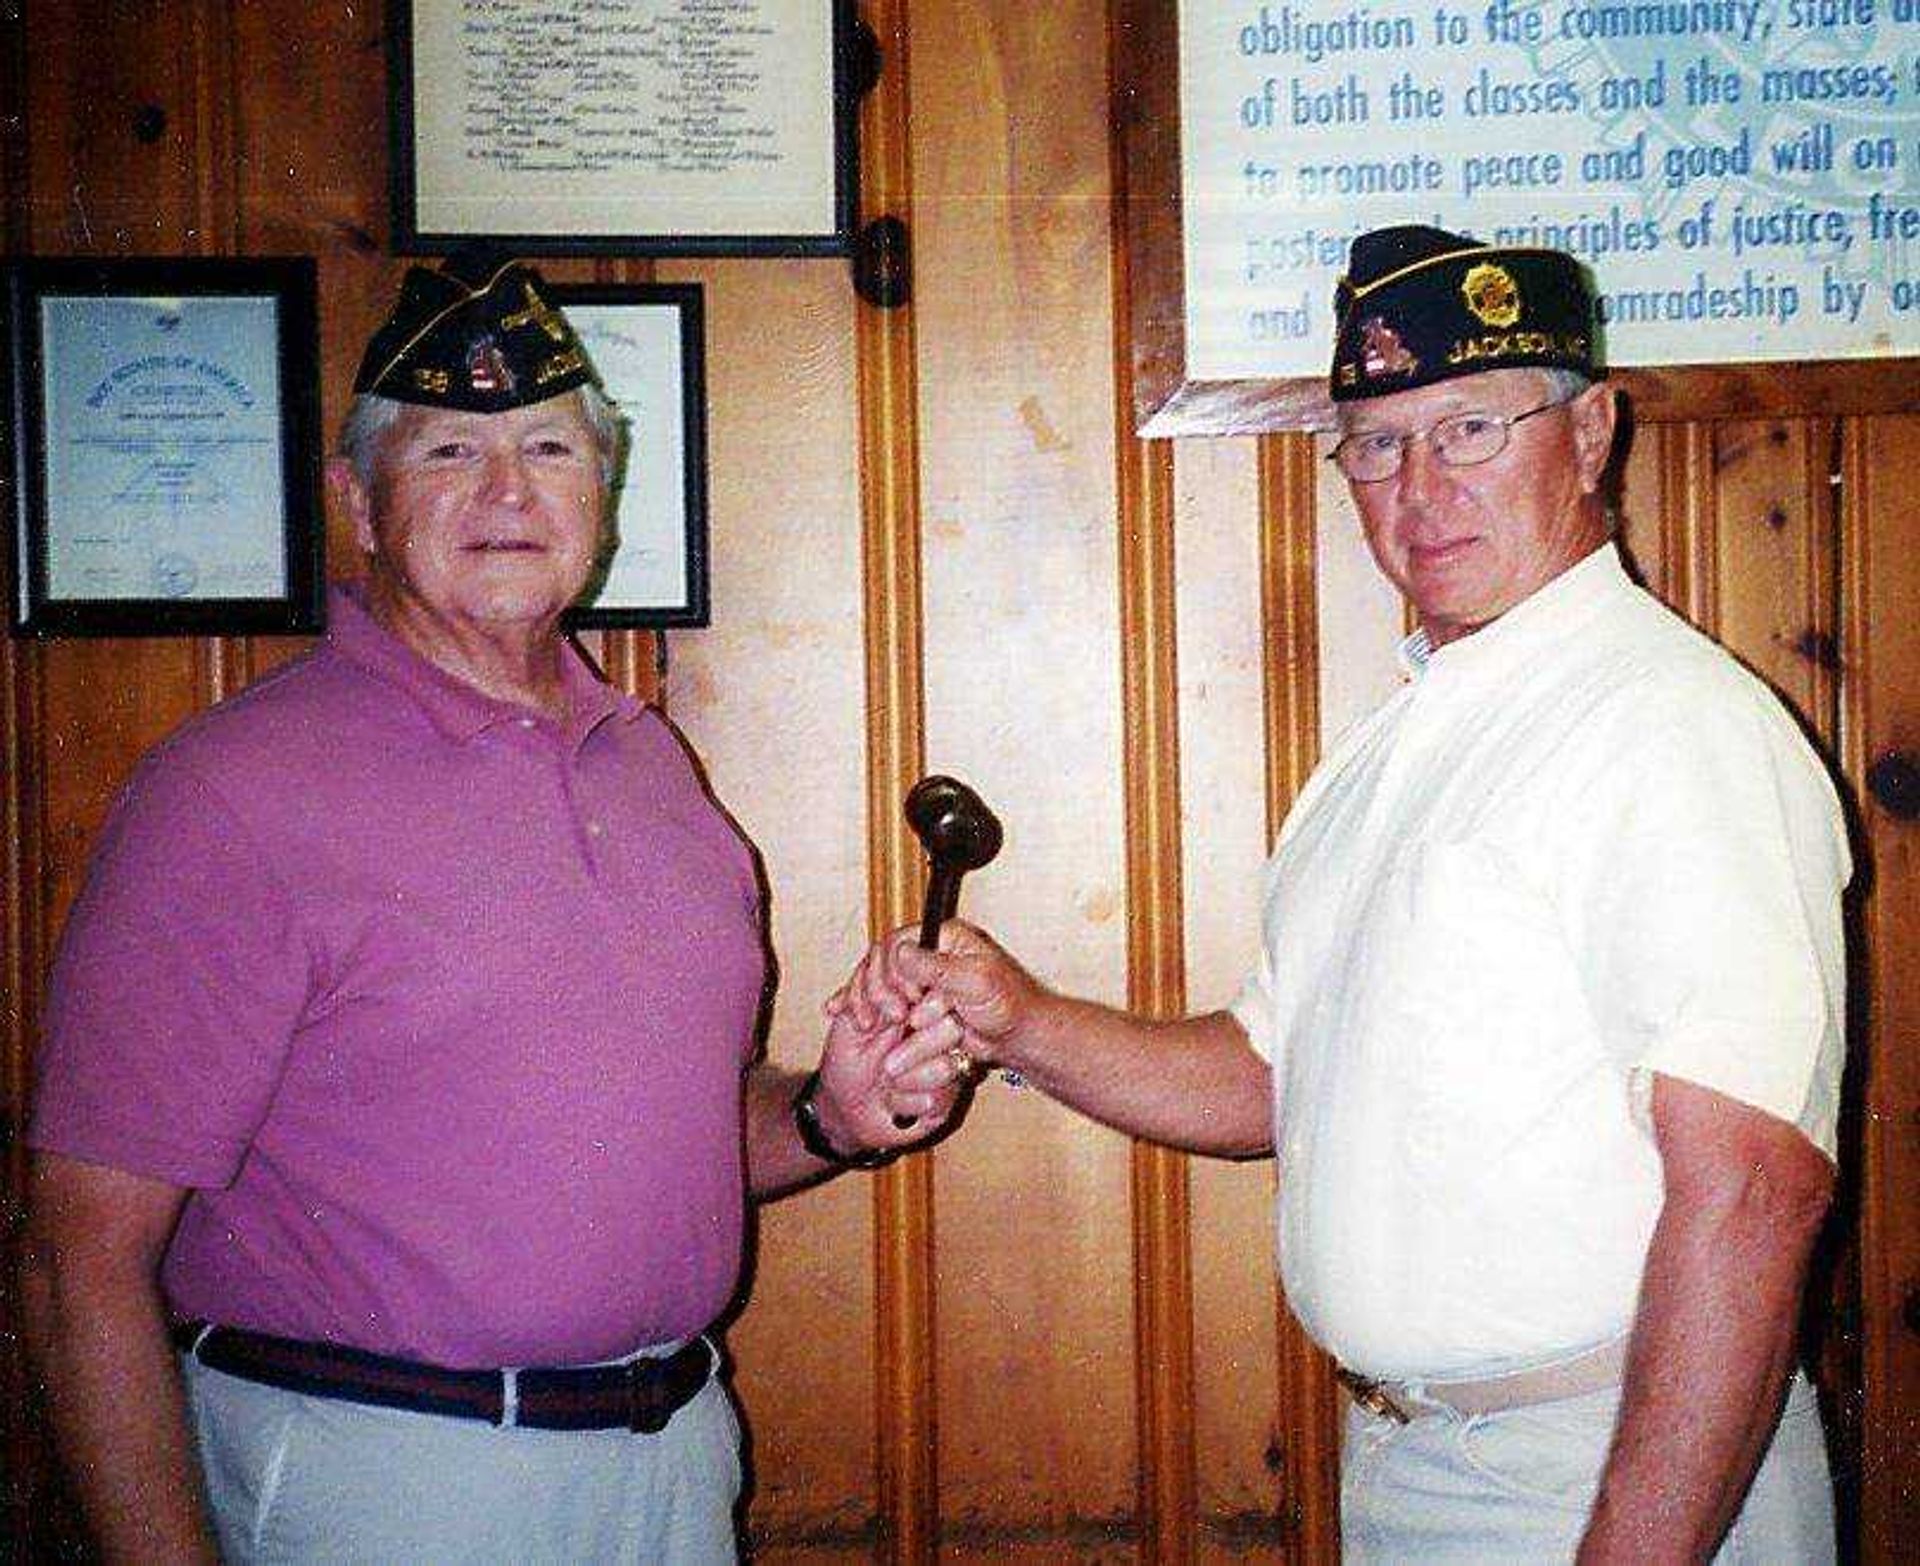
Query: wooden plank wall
(935, 544)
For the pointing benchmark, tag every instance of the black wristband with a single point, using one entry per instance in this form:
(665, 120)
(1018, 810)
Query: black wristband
(813, 1135)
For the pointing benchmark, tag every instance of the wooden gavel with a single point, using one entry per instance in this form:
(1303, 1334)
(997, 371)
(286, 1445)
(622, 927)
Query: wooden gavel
(959, 834)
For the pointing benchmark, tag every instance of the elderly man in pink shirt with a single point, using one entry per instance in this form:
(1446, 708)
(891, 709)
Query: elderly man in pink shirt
(399, 1110)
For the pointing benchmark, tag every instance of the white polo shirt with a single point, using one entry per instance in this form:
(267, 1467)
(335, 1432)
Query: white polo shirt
(1581, 845)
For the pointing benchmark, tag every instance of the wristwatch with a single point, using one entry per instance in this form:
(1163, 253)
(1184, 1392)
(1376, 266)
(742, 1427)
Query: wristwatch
(813, 1135)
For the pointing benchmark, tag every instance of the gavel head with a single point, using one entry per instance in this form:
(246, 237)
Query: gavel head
(953, 823)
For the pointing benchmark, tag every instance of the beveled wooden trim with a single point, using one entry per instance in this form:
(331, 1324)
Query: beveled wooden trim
(219, 227)
(1290, 619)
(1309, 1403)
(1156, 987)
(636, 662)
(1688, 487)
(906, 1454)
(1164, 1395)
(1166, 402)
(223, 665)
(1840, 1261)
(1821, 480)
(1857, 711)
(22, 959)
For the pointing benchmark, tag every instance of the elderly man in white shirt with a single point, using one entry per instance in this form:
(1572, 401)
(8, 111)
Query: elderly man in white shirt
(1546, 1030)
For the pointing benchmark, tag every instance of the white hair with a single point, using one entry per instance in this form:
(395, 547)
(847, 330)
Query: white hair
(1564, 385)
(370, 417)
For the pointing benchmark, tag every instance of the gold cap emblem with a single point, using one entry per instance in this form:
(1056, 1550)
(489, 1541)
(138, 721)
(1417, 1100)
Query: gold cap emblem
(1492, 294)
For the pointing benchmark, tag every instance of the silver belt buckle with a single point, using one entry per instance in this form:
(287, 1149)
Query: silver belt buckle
(1373, 1396)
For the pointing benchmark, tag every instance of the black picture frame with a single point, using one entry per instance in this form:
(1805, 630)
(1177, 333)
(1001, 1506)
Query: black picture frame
(161, 446)
(603, 224)
(647, 341)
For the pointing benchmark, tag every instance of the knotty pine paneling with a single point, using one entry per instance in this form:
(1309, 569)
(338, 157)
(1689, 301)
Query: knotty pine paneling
(1224, 845)
(1642, 495)
(1882, 707)
(958, 507)
(1033, 1272)
(118, 108)
(906, 1455)
(1291, 484)
(770, 697)
(311, 179)
(1774, 558)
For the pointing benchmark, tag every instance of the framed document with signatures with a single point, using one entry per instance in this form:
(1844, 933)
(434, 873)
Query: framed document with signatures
(647, 343)
(1739, 178)
(631, 127)
(162, 446)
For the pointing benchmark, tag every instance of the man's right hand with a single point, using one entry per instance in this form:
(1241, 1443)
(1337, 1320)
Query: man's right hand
(1192, 1083)
(971, 979)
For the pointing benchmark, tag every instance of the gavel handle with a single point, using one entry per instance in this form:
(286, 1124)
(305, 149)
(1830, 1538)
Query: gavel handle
(942, 902)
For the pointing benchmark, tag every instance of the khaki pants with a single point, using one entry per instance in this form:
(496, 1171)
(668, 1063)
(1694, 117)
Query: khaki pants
(297, 1479)
(1517, 1486)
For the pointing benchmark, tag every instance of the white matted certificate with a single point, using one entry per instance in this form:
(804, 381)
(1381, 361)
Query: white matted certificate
(162, 448)
(646, 126)
(646, 344)
(163, 430)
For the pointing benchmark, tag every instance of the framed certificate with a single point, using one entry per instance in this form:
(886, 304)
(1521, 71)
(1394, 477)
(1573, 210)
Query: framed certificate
(163, 456)
(647, 342)
(636, 127)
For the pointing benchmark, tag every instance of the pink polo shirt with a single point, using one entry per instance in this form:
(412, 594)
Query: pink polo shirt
(441, 1010)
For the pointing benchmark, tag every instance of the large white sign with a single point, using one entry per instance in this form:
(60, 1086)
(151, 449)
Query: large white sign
(1743, 176)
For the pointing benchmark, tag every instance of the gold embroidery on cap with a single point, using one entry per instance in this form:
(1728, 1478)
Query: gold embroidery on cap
(561, 363)
(538, 313)
(1492, 294)
(1514, 345)
(435, 381)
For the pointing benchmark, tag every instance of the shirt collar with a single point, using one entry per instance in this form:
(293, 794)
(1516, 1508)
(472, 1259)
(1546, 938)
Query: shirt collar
(454, 707)
(1550, 615)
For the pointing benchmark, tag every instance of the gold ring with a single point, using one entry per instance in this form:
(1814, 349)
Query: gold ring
(963, 1064)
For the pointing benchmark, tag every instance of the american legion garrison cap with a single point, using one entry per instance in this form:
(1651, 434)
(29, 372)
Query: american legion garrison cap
(1420, 305)
(479, 335)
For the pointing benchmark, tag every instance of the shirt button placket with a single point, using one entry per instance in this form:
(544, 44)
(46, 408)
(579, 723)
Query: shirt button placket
(589, 830)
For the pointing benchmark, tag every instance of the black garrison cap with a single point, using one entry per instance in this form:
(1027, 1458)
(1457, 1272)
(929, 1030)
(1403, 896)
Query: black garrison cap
(1420, 305)
(479, 335)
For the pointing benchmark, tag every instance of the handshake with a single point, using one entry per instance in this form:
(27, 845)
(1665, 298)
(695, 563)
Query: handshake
(919, 1016)
(927, 1009)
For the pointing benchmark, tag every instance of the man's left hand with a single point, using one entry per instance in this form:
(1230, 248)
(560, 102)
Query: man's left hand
(862, 1109)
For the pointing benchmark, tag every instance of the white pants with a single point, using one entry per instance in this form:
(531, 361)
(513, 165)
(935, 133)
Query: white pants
(1517, 1486)
(297, 1479)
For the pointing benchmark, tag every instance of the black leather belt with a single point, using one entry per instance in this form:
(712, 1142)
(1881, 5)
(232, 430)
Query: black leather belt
(640, 1395)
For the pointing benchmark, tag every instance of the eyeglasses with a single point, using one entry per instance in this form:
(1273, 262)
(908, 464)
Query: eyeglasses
(1461, 440)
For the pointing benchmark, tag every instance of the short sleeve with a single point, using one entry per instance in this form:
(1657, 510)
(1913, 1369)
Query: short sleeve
(1703, 899)
(174, 992)
(1256, 1006)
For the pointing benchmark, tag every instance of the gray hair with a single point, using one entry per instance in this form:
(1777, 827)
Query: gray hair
(370, 417)
(1563, 385)
(1559, 385)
